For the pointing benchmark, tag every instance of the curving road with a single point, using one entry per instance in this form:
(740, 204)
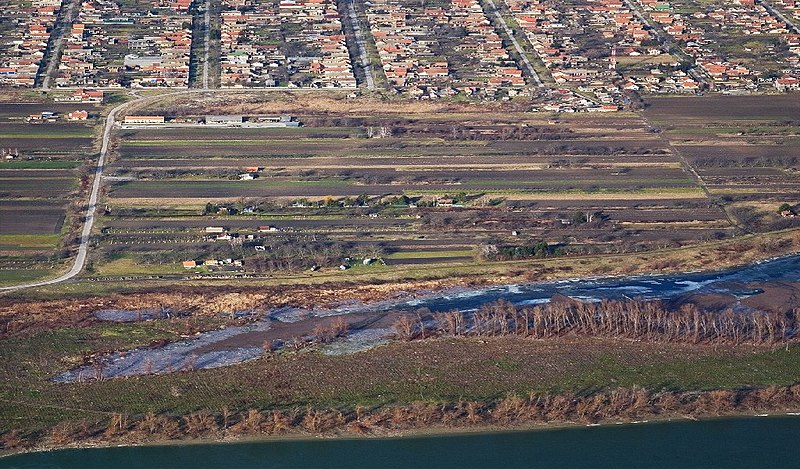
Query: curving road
(83, 247)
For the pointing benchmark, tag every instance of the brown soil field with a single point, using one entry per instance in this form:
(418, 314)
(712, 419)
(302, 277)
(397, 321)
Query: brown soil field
(400, 162)
(724, 107)
(421, 179)
(601, 203)
(25, 109)
(37, 188)
(51, 147)
(36, 173)
(346, 148)
(744, 155)
(197, 225)
(291, 189)
(25, 219)
(666, 215)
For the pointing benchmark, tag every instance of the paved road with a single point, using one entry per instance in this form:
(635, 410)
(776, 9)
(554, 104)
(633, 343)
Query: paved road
(665, 38)
(83, 247)
(64, 27)
(519, 49)
(362, 48)
(774, 12)
(207, 44)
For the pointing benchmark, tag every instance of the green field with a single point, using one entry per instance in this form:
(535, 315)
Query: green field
(40, 164)
(10, 277)
(30, 240)
(443, 370)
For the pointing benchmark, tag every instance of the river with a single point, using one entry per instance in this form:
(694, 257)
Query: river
(742, 442)
(784, 269)
(204, 351)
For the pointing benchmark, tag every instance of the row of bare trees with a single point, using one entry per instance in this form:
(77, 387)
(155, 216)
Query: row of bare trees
(511, 410)
(632, 319)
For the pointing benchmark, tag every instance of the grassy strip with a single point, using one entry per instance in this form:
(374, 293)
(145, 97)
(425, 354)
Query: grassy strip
(430, 254)
(47, 133)
(30, 240)
(127, 266)
(15, 277)
(40, 164)
(446, 370)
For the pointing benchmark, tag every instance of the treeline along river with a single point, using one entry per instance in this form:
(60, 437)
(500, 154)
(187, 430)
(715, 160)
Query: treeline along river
(744, 442)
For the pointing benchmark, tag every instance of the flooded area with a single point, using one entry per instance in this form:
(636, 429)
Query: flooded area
(362, 326)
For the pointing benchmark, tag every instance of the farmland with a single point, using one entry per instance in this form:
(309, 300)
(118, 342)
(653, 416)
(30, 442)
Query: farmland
(418, 187)
(43, 176)
(435, 185)
(745, 151)
(388, 204)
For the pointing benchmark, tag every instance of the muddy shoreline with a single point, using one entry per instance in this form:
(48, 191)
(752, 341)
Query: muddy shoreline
(417, 429)
(32, 315)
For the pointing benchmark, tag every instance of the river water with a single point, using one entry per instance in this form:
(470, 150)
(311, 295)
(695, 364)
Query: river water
(744, 442)
(785, 269)
(181, 354)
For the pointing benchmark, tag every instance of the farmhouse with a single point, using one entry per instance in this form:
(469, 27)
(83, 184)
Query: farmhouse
(77, 115)
(189, 264)
(787, 83)
(84, 96)
(227, 120)
(144, 119)
(135, 61)
(214, 229)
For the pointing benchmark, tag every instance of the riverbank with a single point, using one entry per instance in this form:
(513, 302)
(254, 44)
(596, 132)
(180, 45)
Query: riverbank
(414, 432)
(441, 382)
(730, 443)
(73, 305)
(402, 388)
(317, 286)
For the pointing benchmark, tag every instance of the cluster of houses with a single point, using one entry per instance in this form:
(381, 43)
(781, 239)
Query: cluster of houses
(596, 51)
(84, 96)
(23, 43)
(404, 46)
(50, 116)
(722, 70)
(561, 37)
(214, 264)
(110, 46)
(496, 69)
(414, 63)
(791, 8)
(603, 48)
(296, 43)
(221, 233)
